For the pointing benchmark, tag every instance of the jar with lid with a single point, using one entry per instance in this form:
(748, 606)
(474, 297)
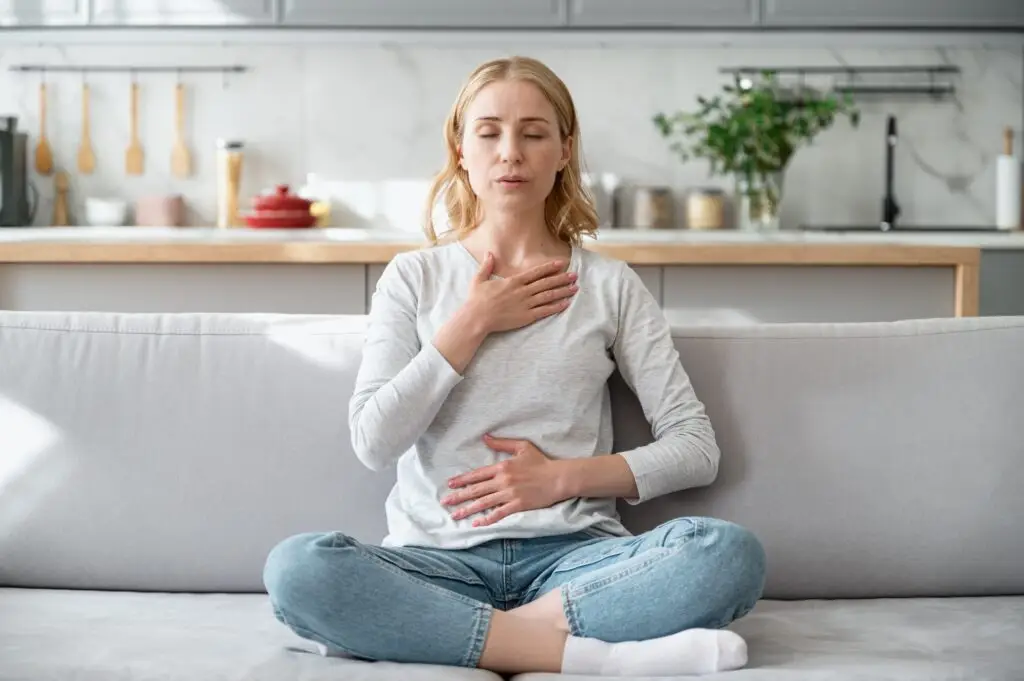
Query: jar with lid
(652, 208)
(229, 179)
(705, 208)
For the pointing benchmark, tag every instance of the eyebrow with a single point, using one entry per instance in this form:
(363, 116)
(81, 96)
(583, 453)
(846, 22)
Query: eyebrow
(528, 119)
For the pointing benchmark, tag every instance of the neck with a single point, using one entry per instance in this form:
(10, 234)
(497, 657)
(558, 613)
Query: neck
(516, 239)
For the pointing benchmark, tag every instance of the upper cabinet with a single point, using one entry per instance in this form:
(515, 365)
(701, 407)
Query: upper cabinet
(424, 13)
(664, 13)
(951, 14)
(30, 13)
(181, 12)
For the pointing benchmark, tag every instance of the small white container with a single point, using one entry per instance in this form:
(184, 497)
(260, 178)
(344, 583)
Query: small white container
(103, 212)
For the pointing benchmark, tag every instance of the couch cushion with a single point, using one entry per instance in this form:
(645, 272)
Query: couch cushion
(172, 452)
(872, 459)
(121, 636)
(955, 639)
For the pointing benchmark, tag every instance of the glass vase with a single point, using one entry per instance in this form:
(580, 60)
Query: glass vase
(758, 201)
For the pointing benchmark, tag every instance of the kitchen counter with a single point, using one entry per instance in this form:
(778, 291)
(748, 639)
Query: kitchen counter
(781, 276)
(339, 245)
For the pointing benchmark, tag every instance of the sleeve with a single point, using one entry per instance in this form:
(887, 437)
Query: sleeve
(401, 384)
(684, 452)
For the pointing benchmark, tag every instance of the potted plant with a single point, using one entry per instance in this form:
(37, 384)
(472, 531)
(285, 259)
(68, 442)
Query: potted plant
(750, 131)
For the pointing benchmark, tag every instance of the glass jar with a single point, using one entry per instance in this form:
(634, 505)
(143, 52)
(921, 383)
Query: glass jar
(759, 201)
(229, 180)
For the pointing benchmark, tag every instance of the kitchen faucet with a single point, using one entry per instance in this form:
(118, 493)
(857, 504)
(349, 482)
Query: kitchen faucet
(890, 209)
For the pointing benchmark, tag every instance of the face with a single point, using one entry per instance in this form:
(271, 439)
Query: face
(511, 147)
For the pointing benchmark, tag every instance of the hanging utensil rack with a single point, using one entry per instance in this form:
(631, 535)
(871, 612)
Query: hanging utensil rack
(930, 80)
(101, 68)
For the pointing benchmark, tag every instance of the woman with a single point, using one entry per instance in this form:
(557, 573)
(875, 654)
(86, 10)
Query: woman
(483, 379)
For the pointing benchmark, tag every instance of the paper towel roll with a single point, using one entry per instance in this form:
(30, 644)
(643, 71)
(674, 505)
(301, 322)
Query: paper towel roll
(1008, 191)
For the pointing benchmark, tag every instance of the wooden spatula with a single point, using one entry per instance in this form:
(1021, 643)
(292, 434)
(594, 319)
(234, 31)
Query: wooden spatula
(44, 157)
(86, 157)
(181, 159)
(134, 160)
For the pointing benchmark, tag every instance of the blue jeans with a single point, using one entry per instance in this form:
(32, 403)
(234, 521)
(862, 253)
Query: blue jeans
(434, 606)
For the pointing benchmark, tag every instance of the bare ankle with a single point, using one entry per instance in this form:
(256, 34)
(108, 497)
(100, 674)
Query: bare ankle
(517, 645)
(547, 608)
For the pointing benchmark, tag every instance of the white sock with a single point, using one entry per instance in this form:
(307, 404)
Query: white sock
(692, 651)
(328, 652)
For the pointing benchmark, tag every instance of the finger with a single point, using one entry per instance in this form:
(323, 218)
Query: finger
(469, 493)
(554, 295)
(556, 281)
(486, 268)
(539, 272)
(477, 475)
(551, 308)
(497, 514)
(480, 505)
(503, 444)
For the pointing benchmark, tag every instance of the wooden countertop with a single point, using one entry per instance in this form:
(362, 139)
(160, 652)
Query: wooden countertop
(192, 245)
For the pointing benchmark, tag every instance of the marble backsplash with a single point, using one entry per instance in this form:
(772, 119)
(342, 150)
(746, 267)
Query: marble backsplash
(367, 119)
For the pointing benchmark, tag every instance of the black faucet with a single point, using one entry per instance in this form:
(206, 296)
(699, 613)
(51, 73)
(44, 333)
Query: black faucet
(890, 209)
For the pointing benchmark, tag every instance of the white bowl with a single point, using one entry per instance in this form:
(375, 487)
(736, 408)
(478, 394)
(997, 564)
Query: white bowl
(100, 212)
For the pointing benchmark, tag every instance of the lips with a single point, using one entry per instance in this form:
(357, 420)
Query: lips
(512, 179)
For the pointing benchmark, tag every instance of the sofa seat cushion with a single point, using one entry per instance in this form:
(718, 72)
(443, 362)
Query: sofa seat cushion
(916, 639)
(49, 634)
(134, 636)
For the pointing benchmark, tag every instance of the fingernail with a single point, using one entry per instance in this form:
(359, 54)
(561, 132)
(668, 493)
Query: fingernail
(446, 500)
(573, 276)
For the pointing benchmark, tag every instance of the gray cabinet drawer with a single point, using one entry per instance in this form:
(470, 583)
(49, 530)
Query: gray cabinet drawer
(40, 13)
(894, 13)
(423, 13)
(182, 12)
(663, 13)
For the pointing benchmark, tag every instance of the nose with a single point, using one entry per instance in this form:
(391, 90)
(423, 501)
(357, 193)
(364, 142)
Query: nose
(510, 149)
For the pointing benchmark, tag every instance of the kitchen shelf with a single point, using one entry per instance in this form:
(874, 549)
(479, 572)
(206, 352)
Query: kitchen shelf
(935, 84)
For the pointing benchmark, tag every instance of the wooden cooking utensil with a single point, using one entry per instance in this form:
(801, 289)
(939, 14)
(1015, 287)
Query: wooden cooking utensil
(60, 206)
(86, 157)
(44, 157)
(134, 159)
(181, 159)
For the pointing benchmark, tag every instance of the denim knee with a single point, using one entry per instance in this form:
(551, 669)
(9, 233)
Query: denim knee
(730, 560)
(740, 555)
(290, 571)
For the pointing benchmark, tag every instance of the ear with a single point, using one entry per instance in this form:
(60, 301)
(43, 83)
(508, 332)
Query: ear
(566, 152)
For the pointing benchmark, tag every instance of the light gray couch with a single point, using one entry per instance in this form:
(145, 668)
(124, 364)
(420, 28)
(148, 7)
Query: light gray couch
(149, 463)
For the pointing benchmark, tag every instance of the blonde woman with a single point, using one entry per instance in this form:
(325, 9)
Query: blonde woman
(483, 380)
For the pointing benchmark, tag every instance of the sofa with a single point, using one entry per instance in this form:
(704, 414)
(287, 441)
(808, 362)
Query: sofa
(151, 461)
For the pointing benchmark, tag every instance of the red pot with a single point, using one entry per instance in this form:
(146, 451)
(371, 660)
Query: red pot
(279, 210)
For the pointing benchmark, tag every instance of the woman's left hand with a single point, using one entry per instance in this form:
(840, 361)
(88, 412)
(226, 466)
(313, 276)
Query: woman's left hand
(527, 481)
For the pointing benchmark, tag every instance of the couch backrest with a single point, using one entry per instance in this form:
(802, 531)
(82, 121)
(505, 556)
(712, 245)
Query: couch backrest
(172, 451)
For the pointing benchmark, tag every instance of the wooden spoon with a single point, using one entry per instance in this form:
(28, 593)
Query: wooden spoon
(86, 157)
(181, 159)
(134, 159)
(44, 157)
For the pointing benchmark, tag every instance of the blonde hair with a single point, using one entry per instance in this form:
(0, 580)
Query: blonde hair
(569, 209)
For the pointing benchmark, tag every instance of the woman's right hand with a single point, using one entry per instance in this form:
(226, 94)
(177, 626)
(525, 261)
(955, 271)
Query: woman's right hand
(519, 300)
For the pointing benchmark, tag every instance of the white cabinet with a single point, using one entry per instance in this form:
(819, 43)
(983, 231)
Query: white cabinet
(740, 294)
(42, 13)
(184, 287)
(182, 12)
(423, 13)
(663, 13)
(952, 14)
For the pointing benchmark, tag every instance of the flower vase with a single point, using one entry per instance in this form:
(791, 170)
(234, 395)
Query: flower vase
(758, 201)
